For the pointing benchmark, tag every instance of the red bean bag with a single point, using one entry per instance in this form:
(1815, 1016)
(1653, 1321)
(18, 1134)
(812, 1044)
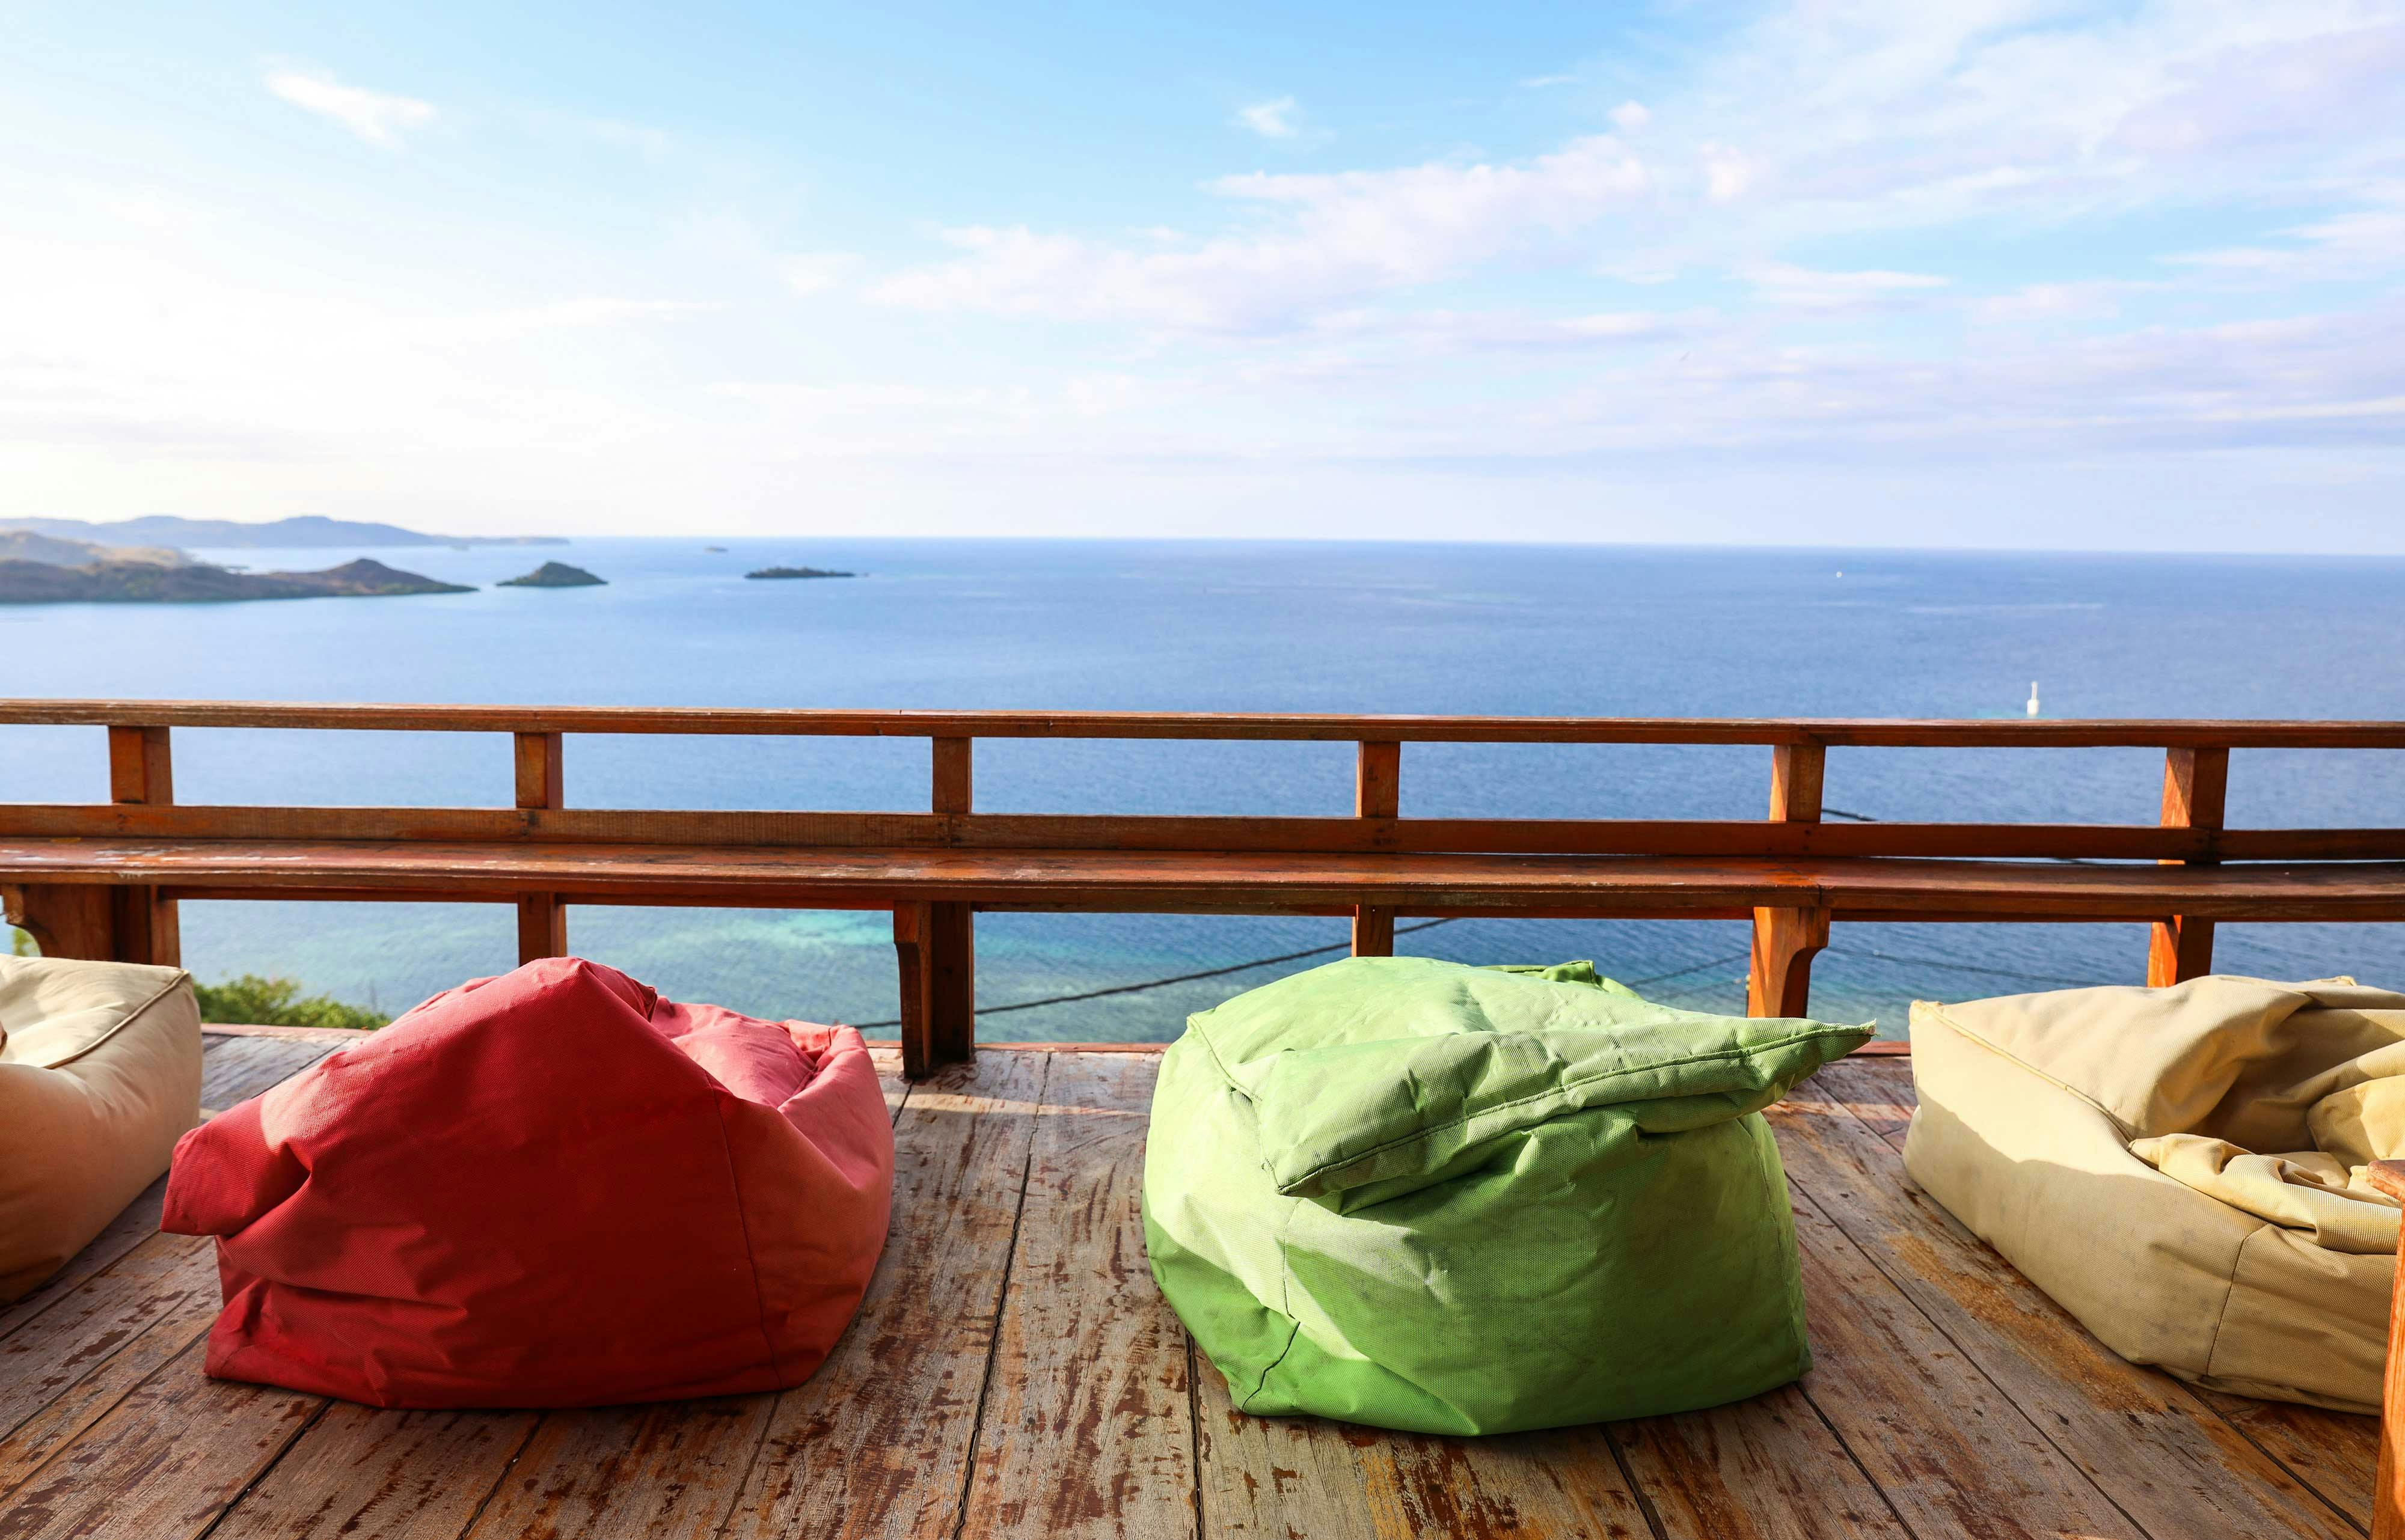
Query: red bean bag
(551, 1188)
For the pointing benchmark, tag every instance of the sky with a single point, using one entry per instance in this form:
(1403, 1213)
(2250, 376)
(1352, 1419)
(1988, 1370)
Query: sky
(2000, 273)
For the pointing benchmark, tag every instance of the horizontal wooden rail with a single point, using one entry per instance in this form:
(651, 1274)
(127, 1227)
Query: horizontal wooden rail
(104, 880)
(1832, 732)
(1113, 832)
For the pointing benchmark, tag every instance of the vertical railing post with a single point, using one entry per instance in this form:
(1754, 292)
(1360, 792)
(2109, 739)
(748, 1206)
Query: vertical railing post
(936, 944)
(542, 918)
(1377, 795)
(2196, 795)
(1778, 983)
(142, 920)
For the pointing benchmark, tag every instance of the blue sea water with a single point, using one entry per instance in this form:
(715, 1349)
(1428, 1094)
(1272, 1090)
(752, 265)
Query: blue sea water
(1234, 627)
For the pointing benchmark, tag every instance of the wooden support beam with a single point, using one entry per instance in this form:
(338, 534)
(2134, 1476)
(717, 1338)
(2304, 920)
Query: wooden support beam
(543, 917)
(66, 920)
(1779, 982)
(911, 924)
(1377, 797)
(948, 931)
(143, 919)
(2196, 795)
(2388, 1487)
(1786, 941)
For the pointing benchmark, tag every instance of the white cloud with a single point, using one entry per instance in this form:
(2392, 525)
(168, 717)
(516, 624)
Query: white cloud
(1726, 173)
(1269, 120)
(1808, 288)
(816, 272)
(1547, 82)
(1343, 235)
(377, 117)
(1630, 116)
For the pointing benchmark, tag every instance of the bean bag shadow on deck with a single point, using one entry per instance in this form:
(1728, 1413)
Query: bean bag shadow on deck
(2182, 1168)
(1468, 1200)
(100, 1073)
(551, 1188)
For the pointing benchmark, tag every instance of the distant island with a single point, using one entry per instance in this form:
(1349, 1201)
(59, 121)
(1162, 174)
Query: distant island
(798, 572)
(308, 530)
(555, 575)
(24, 545)
(193, 582)
(715, 550)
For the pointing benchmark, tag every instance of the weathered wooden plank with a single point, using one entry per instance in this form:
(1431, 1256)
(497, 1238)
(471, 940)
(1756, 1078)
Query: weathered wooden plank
(1274, 1477)
(1947, 1448)
(96, 1319)
(1414, 882)
(1201, 833)
(1764, 1469)
(2336, 1454)
(1879, 1091)
(363, 1473)
(235, 1069)
(2161, 1455)
(879, 1442)
(163, 1463)
(653, 1472)
(2131, 733)
(1088, 1425)
(97, 1346)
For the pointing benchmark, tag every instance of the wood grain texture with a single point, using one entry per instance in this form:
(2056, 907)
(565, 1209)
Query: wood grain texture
(2335, 1453)
(629, 1473)
(235, 1069)
(1199, 832)
(1975, 1463)
(1278, 1477)
(2195, 792)
(1231, 882)
(1877, 1090)
(2331, 1452)
(1766, 1469)
(1778, 973)
(2145, 1440)
(2125, 733)
(163, 1463)
(81, 1332)
(1088, 1424)
(877, 1442)
(359, 1472)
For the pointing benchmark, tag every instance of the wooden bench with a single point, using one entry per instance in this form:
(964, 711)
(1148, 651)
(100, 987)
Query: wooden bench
(104, 880)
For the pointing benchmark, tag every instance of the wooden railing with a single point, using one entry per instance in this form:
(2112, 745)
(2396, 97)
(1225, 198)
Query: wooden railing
(94, 879)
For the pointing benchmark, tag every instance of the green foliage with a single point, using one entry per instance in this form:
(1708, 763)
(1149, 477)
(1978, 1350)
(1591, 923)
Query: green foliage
(256, 1001)
(20, 943)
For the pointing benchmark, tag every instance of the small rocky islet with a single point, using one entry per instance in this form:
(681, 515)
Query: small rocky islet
(782, 572)
(555, 575)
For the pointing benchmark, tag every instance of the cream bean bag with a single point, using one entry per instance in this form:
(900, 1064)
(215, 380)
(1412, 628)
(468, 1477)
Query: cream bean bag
(100, 1074)
(2182, 1168)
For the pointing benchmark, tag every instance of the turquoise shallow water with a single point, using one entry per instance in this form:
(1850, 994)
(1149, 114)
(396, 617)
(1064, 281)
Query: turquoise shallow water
(1311, 627)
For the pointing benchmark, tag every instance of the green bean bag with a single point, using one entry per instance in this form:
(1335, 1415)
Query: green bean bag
(1470, 1200)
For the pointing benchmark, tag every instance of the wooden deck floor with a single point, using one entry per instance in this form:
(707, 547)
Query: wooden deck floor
(1014, 1372)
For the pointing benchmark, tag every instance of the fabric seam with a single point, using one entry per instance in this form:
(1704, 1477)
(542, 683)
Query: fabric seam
(2236, 1264)
(2127, 1132)
(131, 1017)
(743, 1222)
(1432, 1131)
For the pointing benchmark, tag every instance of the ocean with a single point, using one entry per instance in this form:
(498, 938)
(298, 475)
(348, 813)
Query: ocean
(1236, 626)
